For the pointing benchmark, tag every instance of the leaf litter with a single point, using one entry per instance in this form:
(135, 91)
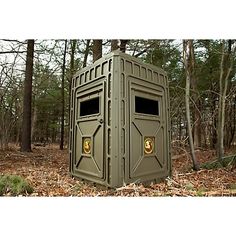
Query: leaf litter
(47, 171)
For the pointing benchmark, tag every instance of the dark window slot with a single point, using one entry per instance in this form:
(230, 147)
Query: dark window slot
(89, 107)
(146, 106)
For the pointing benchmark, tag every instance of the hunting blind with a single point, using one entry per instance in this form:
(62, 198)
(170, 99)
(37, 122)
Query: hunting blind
(119, 122)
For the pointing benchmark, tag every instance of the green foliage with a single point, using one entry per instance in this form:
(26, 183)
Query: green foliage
(47, 102)
(232, 186)
(201, 192)
(189, 186)
(166, 54)
(15, 185)
(226, 161)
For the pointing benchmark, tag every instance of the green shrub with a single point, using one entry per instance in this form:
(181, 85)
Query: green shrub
(14, 185)
(225, 162)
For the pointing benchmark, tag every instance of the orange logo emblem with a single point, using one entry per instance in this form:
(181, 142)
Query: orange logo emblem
(148, 145)
(87, 146)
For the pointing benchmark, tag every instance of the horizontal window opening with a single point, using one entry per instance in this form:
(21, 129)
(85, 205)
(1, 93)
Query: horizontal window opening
(89, 107)
(146, 106)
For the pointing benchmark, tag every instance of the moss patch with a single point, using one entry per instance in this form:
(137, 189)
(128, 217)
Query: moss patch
(14, 185)
(232, 186)
(201, 192)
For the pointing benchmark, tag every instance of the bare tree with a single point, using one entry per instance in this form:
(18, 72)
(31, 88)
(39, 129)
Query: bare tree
(27, 104)
(226, 66)
(72, 71)
(73, 44)
(97, 49)
(196, 99)
(187, 51)
(86, 52)
(114, 44)
(63, 98)
(123, 43)
(10, 89)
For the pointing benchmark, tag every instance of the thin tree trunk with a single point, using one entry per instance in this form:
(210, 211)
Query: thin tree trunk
(97, 49)
(213, 126)
(196, 106)
(220, 146)
(233, 122)
(114, 45)
(180, 128)
(229, 111)
(123, 44)
(63, 98)
(72, 66)
(72, 71)
(198, 124)
(223, 81)
(86, 52)
(186, 56)
(17, 127)
(27, 104)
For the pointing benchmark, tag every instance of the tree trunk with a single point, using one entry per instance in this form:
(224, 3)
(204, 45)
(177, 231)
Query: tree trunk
(187, 44)
(198, 124)
(213, 122)
(72, 71)
(226, 61)
(34, 120)
(18, 125)
(123, 44)
(229, 109)
(114, 45)
(1, 128)
(86, 52)
(233, 122)
(72, 66)
(196, 101)
(180, 128)
(97, 49)
(26, 124)
(63, 98)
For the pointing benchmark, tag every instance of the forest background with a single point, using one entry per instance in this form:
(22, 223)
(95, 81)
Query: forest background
(208, 66)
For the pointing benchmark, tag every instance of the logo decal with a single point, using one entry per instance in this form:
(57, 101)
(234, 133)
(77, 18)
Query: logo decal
(148, 145)
(86, 145)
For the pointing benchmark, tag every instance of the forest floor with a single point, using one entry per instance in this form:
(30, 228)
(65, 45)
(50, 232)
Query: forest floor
(46, 169)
